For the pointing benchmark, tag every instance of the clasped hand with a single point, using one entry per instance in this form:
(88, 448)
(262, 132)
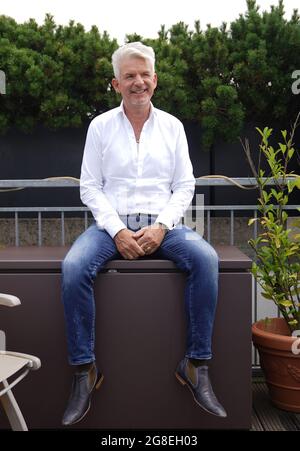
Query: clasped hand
(145, 241)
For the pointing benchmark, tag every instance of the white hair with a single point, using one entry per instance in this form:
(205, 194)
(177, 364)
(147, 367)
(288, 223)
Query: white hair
(132, 49)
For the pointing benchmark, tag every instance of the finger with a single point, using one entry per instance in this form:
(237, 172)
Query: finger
(127, 253)
(140, 251)
(148, 249)
(130, 256)
(138, 234)
(136, 249)
(141, 241)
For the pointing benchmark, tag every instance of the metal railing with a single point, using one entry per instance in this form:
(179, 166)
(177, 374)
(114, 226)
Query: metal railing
(73, 183)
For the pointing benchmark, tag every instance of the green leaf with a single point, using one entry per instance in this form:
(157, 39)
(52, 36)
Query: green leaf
(291, 153)
(251, 221)
(283, 147)
(267, 296)
(297, 181)
(285, 303)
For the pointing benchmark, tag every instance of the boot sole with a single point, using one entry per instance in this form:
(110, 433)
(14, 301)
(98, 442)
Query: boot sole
(183, 382)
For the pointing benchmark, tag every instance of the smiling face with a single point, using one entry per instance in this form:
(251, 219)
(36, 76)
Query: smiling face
(136, 83)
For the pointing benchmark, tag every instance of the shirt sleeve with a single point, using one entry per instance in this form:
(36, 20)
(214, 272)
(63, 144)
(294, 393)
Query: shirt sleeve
(183, 184)
(91, 184)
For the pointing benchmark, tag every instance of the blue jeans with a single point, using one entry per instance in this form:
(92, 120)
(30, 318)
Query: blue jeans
(94, 248)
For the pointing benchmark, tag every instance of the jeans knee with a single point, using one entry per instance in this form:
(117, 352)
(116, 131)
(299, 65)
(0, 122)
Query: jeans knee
(207, 257)
(214, 256)
(70, 268)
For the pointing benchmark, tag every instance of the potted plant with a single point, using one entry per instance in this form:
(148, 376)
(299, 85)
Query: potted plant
(277, 269)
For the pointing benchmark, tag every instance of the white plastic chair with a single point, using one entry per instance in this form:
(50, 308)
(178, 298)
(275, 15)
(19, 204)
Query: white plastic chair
(10, 364)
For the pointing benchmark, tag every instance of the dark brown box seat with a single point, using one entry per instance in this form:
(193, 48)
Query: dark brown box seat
(140, 337)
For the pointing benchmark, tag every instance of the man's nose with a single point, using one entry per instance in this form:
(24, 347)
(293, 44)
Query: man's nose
(138, 80)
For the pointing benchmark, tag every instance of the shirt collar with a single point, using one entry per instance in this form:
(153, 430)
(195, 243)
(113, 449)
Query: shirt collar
(151, 115)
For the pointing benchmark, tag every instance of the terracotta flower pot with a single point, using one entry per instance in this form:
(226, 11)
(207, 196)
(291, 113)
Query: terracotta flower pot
(280, 365)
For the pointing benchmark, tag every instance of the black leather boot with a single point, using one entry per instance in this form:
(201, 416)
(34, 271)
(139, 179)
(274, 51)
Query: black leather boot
(79, 402)
(200, 387)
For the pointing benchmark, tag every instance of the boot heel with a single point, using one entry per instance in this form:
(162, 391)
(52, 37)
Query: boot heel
(99, 381)
(182, 381)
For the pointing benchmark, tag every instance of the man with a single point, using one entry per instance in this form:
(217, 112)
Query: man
(137, 180)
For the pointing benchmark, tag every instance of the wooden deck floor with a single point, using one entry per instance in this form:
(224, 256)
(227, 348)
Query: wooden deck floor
(266, 417)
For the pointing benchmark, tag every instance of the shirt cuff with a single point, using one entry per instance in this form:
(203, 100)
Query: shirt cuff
(165, 221)
(113, 226)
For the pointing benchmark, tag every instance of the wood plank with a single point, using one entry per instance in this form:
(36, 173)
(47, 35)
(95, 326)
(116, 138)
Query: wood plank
(271, 418)
(296, 419)
(256, 424)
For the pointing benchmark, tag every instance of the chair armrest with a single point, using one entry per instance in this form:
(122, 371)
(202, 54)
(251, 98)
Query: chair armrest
(34, 363)
(9, 300)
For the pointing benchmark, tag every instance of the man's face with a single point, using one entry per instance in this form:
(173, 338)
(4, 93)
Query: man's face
(136, 82)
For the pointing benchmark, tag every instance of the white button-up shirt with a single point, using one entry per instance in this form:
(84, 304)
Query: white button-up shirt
(120, 176)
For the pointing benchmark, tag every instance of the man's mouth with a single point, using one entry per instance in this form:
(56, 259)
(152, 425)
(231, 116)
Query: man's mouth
(141, 91)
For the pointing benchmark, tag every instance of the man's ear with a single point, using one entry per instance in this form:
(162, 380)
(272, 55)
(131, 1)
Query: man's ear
(115, 84)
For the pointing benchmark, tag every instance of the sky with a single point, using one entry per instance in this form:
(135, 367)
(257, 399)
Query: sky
(119, 17)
